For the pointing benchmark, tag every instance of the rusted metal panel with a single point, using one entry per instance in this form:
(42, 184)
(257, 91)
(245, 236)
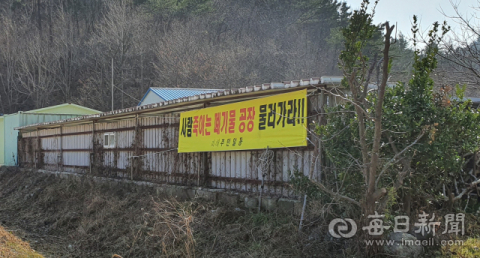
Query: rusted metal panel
(149, 147)
(228, 170)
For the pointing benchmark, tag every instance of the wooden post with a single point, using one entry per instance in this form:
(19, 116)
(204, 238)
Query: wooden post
(92, 154)
(321, 122)
(205, 159)
(131, 168)
(317, 151)
(39, 150)
(205, 168)
(135, 160)
(20, 149)
(198, 177)
(60, 157)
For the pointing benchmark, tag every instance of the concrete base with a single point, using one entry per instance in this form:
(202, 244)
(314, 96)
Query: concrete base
(250, 202)
(286, 205)
(230, 199)
(207, 194)
(269, 204)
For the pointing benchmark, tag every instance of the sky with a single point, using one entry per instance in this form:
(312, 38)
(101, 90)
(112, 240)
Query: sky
(428, 11)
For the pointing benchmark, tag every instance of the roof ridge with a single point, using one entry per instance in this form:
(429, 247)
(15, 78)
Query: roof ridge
(184, 88)
(314, 81)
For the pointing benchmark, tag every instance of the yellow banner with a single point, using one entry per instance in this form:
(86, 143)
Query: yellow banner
(276, 122)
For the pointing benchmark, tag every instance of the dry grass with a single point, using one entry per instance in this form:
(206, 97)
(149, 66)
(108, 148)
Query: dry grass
(469, 249)
(66, 218)
(13, 247)
(173, 224)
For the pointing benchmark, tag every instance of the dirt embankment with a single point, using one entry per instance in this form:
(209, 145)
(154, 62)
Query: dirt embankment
(12, 246)
(68, 218)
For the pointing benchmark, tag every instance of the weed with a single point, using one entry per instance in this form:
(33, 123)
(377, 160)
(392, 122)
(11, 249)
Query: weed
(469, 249)
(68, 218)
(173, 224)
(12, 247)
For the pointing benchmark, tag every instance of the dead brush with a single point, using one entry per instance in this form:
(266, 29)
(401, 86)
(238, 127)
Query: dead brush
(173, 225)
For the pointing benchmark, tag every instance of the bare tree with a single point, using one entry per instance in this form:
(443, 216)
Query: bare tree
(10, 38)
(462, 50)
(57, 51)
(114, 39)
(66, 56)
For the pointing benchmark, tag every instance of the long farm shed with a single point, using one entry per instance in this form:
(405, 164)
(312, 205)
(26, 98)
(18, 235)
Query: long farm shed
(141, 143)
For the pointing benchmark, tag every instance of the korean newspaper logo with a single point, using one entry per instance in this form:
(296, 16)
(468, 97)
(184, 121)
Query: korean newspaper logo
(425, 225)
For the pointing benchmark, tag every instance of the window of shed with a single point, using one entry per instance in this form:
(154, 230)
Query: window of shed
(109, 140)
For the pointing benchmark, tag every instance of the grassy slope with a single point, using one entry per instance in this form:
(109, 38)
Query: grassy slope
(66, 218)
(13, 247)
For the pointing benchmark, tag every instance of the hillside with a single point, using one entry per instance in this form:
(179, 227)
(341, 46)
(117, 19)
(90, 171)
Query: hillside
(61, 51)
(13, 247)
(69, 218)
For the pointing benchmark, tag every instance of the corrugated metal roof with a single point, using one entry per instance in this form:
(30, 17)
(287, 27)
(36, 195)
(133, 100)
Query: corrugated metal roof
(47, 110)
(474, 100)
(176, 93)
(212, 96)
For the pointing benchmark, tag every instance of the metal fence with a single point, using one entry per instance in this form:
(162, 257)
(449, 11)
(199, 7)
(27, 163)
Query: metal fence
(145, 149)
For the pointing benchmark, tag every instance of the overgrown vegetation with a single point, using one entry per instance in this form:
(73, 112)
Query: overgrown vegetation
(469, 249)
(13, 247)
(397, 149)
(78, 218)
(425, 137)
(81, 218)
(393, 149)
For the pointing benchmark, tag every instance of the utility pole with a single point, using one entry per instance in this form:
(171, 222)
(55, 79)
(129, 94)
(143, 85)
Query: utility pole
(122, 89)
(112, 83)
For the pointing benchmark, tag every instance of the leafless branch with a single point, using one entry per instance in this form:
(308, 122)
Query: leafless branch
(336, 195)
(397, 155)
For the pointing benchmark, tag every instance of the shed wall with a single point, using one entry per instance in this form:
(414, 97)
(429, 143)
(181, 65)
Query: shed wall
(2, 141)
(11, 135)
(145, 149)
(22, 119)
(151, 98)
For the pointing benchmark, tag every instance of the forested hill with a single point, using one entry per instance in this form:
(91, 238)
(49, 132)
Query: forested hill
(56, 51)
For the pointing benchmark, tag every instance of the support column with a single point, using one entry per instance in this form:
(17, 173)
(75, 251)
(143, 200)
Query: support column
(136, 159)
(92, 153)
(321, 122)
(205, 168)
(38, 152)
(205, 160)
(60, 156)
